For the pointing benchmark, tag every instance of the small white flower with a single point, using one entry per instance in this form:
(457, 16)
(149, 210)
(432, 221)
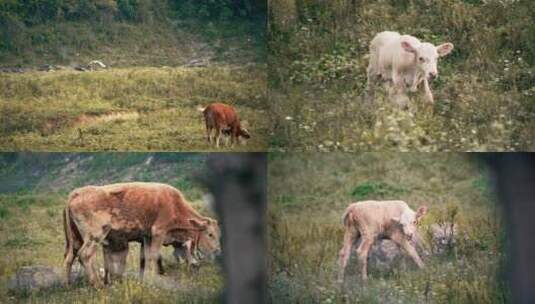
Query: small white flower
(289, 118)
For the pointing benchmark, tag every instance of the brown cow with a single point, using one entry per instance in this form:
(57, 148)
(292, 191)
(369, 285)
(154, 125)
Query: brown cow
(368, 221)
(224, 119)
(115, 214)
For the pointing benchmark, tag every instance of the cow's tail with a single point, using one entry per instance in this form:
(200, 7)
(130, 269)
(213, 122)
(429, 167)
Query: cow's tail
(346, 217)
(69, 242)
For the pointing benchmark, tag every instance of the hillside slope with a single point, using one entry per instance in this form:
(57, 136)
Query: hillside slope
(163, 60)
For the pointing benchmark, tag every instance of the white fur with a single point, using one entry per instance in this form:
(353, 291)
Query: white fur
(404, 61)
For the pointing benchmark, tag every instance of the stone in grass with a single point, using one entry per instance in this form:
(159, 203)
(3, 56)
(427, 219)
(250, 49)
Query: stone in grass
(35, 278)
(38, 277)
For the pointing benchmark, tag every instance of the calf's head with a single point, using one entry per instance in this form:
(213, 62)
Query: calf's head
(208, 238)
(426, 55)
(409, 221)
(244, 133)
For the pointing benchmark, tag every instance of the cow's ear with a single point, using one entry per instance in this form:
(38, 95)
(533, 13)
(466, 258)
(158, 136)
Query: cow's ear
(444, 49)
(407, 46)
(198, 224)
(422, 210)
(396, 220)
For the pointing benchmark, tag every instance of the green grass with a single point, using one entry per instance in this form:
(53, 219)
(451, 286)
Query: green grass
(483, 97)
(34, 236)
(309, 192)
(127, 108)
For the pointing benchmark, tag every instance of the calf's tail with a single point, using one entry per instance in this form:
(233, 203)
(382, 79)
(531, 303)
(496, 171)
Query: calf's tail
(68, 233)
(346, 218)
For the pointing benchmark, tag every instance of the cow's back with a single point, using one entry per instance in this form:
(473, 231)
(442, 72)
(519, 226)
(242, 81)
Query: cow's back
(375, 215)
(221, 114)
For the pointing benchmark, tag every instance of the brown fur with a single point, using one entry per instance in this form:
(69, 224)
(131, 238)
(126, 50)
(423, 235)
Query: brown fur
(113, 215)
(223, 119)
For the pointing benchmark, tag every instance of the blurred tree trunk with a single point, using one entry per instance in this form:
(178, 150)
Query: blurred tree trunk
(238, 183)
(515, 183)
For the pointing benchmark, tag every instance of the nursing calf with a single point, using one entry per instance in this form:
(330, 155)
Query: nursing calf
(404, 62)
(113, 215)
(367, 221)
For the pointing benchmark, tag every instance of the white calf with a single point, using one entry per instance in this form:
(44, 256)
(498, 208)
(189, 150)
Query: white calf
(405, 62)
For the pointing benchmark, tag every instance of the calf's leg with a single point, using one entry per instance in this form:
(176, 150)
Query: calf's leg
(345, 252)
(114, 262)
(411, 251)
(87, 258)
(362, 253)
(427, 92)
(142, 262)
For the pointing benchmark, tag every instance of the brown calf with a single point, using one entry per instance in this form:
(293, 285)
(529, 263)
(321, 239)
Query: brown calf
(224, 119)
(116, 214)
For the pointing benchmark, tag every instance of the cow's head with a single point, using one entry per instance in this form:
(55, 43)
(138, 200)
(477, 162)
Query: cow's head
(409, 221)
(209, 234)
(426, 55)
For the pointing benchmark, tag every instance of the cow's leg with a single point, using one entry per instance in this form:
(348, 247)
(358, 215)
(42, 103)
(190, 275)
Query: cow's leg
(412, 252)
(87, 257)
(70, 255)
(190, 254)
(344, 254)
(362, 254)
(217, 136)
(160, 264)
(371, 83)
(152, 251)
(401, 240)
(209, 133)
(114, 262)
(142, 260)
(397, 91)
(106, 253)
(427, 92)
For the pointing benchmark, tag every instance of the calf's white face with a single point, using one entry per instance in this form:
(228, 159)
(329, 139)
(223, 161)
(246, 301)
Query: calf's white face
(409, 221)
(426, 55)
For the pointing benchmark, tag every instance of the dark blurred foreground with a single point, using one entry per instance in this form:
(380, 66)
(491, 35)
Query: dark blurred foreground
(238, 182)
(514, 174)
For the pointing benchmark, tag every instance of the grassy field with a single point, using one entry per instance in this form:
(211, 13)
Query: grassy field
(131, 108)
(31, 231)
(484, 97)
(164, 61)
(309, 192)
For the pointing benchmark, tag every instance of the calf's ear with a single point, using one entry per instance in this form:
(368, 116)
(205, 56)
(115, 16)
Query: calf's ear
(407, 46)
(422, 210)
(444, 49)
(198, 224)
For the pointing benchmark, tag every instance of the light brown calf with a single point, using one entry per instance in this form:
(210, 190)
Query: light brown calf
(366, 221)
(223, 119)
(116, 214)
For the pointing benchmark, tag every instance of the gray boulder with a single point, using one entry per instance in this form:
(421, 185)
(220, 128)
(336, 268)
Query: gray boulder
(39, 277)
(35, 278)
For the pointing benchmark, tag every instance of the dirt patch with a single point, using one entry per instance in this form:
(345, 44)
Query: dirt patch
(85, 120)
